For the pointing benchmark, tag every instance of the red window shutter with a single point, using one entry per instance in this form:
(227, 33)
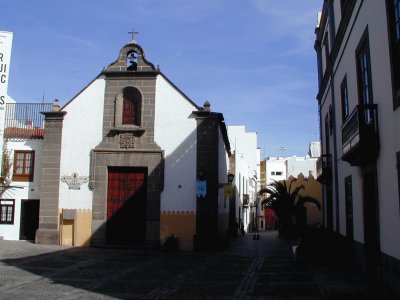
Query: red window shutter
(128, 116)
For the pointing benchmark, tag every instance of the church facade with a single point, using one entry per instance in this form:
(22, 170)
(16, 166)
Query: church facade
(121, 163)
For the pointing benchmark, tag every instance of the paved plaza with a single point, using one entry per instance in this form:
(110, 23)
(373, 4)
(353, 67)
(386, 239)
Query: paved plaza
(247, 269)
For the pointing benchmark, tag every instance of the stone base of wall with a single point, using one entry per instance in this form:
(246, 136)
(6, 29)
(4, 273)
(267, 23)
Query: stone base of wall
(359, 256)
(223, 224)
(207, 242)
(390, 272)
(47, 236)
(180, 224)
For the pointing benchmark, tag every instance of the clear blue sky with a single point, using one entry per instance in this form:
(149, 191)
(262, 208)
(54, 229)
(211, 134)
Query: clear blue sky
(253, 60)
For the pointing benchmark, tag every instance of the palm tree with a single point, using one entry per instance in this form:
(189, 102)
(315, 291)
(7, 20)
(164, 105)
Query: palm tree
(288, 206)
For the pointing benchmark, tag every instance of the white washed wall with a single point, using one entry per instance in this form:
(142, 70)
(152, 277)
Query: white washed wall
(275, 164)
(223, 165)
(304, 165)
(82, 131)
(373, 15)
(175, 132)
(29, 190)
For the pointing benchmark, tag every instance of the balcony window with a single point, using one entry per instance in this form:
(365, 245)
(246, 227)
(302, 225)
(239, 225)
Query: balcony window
(360, 135)
(396, 9)
(344, 99)
(393, 12)
(324, 168)
(364, 72)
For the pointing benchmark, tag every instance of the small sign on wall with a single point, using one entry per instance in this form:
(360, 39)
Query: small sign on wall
(228, 190)
(75, 181)
(201, 188)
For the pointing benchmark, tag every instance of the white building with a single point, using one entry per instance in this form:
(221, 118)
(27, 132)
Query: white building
(357, 44)
(21, 133)
(275, 169)
(281, 168)
(247, 174)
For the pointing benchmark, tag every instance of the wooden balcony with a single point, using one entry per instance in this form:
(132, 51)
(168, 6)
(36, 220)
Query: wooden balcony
(324, 168)
(360, 136)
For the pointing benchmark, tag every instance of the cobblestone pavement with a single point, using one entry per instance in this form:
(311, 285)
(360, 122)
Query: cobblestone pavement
(247, 269)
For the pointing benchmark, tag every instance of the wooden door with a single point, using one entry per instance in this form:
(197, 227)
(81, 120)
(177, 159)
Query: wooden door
(126, 205)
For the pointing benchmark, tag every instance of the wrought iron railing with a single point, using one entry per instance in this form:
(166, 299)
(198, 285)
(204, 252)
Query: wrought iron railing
(24, 120)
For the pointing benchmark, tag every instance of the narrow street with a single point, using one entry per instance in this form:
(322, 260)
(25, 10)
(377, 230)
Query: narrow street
(247, 269)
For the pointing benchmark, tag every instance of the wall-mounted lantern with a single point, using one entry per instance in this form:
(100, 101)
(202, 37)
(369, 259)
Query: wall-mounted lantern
(231, 176)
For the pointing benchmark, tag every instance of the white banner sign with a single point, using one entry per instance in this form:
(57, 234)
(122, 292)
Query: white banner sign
(5, 57)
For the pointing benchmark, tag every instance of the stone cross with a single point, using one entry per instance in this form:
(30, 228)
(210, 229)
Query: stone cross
(133, 32)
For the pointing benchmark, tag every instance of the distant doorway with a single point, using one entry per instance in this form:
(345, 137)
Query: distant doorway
(29, 219)
(126, 205)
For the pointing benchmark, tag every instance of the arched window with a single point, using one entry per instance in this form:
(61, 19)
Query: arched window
(131, 108)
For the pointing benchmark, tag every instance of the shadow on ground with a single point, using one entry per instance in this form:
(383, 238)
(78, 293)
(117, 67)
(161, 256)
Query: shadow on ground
(97, 273)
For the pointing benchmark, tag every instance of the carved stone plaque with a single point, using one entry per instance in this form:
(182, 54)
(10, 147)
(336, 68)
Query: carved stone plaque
(74, 181)
(127, 141)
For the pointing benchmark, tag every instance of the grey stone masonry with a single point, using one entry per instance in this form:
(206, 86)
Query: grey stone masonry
(128, 145)
(48, 232)
(206, 237)
(121, 63)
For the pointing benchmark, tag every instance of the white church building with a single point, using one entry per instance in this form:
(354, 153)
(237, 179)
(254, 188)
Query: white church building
(130, 160)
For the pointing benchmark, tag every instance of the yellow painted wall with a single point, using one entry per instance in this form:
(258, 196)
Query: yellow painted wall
(180, 224)
(312, 188)
(76, 232)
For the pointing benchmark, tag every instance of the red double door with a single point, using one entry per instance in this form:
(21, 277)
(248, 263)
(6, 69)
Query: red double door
(126, 205)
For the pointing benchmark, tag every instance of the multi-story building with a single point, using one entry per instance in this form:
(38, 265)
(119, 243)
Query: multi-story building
(358, 53)
(21, 173)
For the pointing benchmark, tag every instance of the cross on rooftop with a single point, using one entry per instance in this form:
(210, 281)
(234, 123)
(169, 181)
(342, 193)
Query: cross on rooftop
(133, 32)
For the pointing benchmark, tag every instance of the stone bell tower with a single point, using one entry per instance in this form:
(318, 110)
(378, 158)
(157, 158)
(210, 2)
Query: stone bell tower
(128, 145)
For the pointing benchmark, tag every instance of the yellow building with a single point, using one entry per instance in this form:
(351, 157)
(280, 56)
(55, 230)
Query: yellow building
(312, 188)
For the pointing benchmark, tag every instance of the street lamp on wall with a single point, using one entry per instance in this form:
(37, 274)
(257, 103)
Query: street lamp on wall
(231, 176)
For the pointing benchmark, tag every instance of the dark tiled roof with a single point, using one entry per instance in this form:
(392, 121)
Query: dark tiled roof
(24, 133)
